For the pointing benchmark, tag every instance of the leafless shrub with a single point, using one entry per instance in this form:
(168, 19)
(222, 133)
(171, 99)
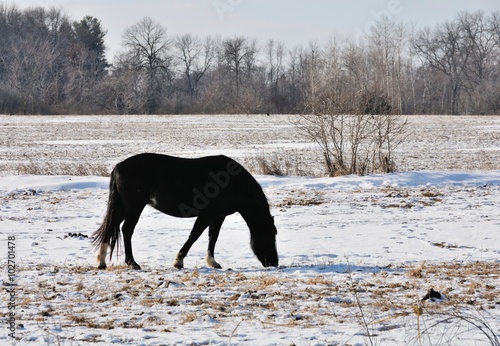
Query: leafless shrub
(355, 144)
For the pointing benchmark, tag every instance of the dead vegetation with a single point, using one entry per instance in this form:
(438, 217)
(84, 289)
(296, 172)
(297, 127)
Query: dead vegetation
(61, 168)
(383, 300)
(286, 163)
(409, 198)
(301, 198)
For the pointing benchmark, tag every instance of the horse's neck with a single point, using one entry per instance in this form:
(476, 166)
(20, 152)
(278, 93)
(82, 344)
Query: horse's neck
(255, 215)
(255, 208)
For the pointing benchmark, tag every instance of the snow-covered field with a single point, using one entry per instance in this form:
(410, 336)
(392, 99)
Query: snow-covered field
(357, 254)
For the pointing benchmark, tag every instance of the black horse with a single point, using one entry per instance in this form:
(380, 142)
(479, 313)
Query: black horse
(209, 188)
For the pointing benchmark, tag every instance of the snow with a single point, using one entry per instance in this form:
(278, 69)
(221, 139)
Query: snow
(357, 255)
(15, 184)
(359, 231)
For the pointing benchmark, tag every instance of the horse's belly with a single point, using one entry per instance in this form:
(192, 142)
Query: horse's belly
(176, 208)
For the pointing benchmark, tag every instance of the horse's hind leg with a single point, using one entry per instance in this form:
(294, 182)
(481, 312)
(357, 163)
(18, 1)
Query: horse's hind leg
(101, 256)
(213, 234)
(128, 231)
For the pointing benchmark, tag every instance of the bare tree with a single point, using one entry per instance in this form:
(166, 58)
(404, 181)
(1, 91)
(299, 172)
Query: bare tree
(444, 50)
(234, 52)
(275, 54)
(28, 70)
(494, 24)
(148, 51)
(196, 56)
(240, 55)
(307, 68)
(388, 40)
(240, 63)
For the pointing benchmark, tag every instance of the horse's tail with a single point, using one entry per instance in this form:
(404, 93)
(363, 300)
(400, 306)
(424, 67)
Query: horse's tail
(109, 231)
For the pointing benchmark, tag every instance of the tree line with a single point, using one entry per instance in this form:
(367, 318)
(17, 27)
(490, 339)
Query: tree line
(50, 64)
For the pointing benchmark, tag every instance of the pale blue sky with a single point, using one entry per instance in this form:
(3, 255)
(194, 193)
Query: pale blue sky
(290, 21)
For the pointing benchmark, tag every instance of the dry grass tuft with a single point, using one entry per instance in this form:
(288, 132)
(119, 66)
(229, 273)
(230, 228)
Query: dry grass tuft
(268, 281)
(416, 273)
(50, 168)
(188, 318)
(289, 163)
(319, 280)
(301, 197)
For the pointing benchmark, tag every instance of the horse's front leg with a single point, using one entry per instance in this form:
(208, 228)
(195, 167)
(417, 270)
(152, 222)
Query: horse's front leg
(213, 235)
(200, 224)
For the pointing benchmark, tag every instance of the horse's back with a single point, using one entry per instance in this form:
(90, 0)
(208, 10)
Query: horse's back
(168, 182)
(151, 164)
(160, 161)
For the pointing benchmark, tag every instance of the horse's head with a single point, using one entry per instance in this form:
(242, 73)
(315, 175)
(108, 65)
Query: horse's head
(263, 243)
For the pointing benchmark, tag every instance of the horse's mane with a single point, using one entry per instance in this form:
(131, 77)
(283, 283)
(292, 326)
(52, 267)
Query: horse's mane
(251, 187)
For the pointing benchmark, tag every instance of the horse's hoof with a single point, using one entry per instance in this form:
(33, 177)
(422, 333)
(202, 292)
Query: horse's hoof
(134, 266)
(179, 262)
(212, 263)
(102, 266)
(215, 265)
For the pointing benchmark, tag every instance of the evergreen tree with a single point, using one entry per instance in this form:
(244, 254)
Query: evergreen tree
(89, 34)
